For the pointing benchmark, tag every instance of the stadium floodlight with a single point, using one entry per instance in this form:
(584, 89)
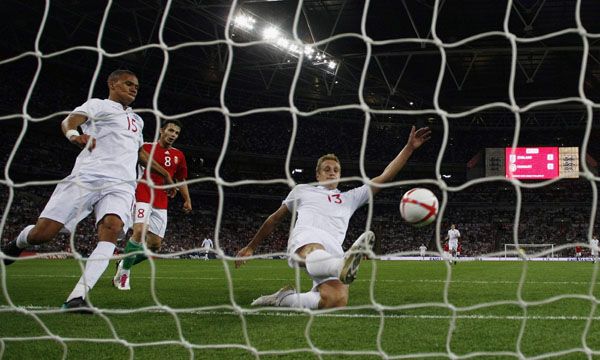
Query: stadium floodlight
(270, 33)
(244, 21)
(277, 38)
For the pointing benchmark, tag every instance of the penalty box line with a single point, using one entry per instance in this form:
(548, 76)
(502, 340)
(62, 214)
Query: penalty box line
(6, 308)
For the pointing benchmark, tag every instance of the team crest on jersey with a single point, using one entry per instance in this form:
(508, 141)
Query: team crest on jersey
(176, 159)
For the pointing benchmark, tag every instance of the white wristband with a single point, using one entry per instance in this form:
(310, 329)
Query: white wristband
(71, 133)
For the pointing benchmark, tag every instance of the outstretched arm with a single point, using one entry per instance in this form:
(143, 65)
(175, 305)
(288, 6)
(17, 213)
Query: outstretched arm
(415, 140)
(265, 230)
(69, 128)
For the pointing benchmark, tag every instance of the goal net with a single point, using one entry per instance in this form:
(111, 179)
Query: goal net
(263, 88)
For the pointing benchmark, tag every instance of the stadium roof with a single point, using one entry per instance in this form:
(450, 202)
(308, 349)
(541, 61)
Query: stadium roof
(404, 61)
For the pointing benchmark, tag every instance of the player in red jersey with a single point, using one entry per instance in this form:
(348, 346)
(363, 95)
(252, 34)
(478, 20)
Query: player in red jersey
(578, 252)
(446, 250)
(155, 214)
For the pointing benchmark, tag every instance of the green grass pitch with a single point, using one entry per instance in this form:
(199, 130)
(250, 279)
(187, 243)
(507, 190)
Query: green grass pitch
(413, 309)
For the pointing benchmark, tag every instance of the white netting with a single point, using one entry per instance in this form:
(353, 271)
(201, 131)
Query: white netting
(451, 317)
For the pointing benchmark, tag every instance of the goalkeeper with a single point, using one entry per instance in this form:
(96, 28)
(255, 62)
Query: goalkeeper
(103, 180)
(315, 243)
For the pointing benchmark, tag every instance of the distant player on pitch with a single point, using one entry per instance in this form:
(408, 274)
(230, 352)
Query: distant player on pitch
(422, 248)
(452, 237)
(594, 245)
(315, 243)
(578, 252)
(154, 215)
(106, 169)
(207, 244)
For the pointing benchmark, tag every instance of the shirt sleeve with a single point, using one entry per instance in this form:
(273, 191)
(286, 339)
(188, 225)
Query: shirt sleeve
(359, 196)
(292, 196)
(88, 109)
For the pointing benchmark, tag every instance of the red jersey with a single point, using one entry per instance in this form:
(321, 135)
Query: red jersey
(446, 247)
(458, 247)
(173, 161)
(577, 249)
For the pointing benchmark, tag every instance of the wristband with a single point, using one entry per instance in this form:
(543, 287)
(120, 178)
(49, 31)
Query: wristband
(71, 133)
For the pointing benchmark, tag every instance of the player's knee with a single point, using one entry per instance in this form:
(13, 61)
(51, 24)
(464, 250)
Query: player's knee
(111, 224)
(335, 299)
(333, 295)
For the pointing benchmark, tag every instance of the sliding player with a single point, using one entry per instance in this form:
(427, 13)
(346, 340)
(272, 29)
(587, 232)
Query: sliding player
(315, 243)
(102, 180)
(154, 215)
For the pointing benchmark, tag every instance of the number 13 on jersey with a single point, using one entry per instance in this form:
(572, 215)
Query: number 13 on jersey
(335, 198)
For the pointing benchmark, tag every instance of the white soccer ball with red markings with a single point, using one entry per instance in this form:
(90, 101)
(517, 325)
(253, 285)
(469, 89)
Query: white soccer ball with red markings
(419, 207)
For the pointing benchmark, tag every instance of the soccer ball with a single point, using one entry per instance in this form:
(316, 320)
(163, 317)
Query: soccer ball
(419, 207)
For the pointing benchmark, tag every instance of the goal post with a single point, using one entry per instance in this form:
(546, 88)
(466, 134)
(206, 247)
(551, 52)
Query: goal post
(535, 249)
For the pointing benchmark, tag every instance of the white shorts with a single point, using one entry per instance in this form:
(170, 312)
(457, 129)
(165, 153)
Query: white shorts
(453, 246)
(71, 203)
(308, 235)
(156, 218)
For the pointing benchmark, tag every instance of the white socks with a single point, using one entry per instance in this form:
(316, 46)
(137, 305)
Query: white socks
(308, 300)
(22, 238)
(323, 264)
(94, 268)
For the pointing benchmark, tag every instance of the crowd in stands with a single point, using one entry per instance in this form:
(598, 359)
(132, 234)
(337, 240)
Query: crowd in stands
(484, 228)
(484, 213)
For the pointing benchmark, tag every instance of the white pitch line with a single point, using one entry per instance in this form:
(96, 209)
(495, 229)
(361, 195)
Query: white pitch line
(5, 308)
(483, 282)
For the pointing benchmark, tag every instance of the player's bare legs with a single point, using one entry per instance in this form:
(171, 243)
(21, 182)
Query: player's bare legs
(109, 229)
(43, 231)
(153, 242)
(321, 264)
(333, 294)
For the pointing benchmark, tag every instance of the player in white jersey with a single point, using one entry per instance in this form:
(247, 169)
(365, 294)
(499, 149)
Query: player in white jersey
(315, 243)
(452, 237)
(422, 248)
(207, 244)
(594, 245)
(103, 180)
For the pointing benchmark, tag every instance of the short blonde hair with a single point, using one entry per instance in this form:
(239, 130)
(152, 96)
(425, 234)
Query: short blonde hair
(325, 158)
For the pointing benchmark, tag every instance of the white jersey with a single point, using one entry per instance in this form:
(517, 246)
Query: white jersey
(207, 243)
(594, 243)
(118, 135)
(423, 248)
(324, 209)
(453, 237)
